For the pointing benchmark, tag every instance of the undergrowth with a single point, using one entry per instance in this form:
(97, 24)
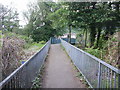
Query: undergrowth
(16, 48)
(107, 50)
(37, 82)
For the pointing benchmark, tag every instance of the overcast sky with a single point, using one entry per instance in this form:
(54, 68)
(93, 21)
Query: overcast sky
(20, 5)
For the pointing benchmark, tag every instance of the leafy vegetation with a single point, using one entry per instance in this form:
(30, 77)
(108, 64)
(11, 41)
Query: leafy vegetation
(16, 48)
(97, 25)
(37, 82)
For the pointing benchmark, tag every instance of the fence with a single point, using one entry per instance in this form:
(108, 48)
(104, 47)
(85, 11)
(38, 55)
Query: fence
(97, 73)
(55, 40)
(26, 73)
(73, 40)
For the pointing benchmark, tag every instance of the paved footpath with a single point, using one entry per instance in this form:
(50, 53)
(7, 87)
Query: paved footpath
(59, 71)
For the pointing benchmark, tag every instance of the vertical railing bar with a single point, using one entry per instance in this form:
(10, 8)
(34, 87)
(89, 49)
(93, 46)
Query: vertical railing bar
(118, 80)
(99, 76)
(21, 79)
(10, 84)
(18, 81)
(26, 80)
(114, 80)
(105, 77)
(13, 82)
(7, 86)
(110, 79)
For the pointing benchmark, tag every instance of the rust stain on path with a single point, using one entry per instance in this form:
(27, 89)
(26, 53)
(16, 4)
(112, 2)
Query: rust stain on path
(59, 72)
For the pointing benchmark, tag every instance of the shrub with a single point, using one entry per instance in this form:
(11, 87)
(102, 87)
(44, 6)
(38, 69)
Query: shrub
(96, 52)
(23, 37)
(11, 52)
(42, 42)
(27, 39)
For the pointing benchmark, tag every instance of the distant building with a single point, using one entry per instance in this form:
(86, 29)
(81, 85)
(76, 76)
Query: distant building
(73, 35)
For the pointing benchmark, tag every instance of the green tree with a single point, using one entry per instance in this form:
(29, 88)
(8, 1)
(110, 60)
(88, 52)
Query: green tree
(8, 18)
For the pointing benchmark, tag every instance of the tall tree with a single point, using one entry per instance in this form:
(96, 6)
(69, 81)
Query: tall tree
(8, 18)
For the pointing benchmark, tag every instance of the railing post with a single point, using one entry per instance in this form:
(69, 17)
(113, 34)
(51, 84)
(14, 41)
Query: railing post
(50, 40)
(119, 81)
(99, 75)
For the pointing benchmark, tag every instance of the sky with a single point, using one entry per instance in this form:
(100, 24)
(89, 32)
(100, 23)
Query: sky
(20, 5)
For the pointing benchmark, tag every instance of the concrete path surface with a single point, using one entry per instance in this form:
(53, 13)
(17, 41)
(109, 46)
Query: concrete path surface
(59, 72)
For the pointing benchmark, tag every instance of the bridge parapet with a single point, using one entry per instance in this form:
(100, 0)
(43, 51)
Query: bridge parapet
(97, 73)
(26, 73)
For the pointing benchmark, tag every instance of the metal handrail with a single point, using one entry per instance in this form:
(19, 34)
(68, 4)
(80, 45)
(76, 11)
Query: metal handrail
(99, 74)
(14, 80)
(99, 60)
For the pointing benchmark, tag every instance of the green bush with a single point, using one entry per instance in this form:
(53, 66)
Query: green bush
(96, 52)
(38, 44)
(27, 45)
(42, 42)
(34, 44)
(102, 43)
(27, 39)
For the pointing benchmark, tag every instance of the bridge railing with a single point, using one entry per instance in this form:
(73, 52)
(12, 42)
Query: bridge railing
(97, 73)
(26, 73)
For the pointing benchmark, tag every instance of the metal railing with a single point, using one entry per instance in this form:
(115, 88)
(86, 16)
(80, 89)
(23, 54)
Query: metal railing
(26, 73)
(55, 40)
(97, 73)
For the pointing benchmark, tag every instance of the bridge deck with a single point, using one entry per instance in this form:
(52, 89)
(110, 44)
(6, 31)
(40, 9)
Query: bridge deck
(59, 71)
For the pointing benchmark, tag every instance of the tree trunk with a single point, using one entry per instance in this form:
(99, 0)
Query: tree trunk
(92, 35)
(86, 38)
(98, 37)
(70, 33)
(107, 32)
